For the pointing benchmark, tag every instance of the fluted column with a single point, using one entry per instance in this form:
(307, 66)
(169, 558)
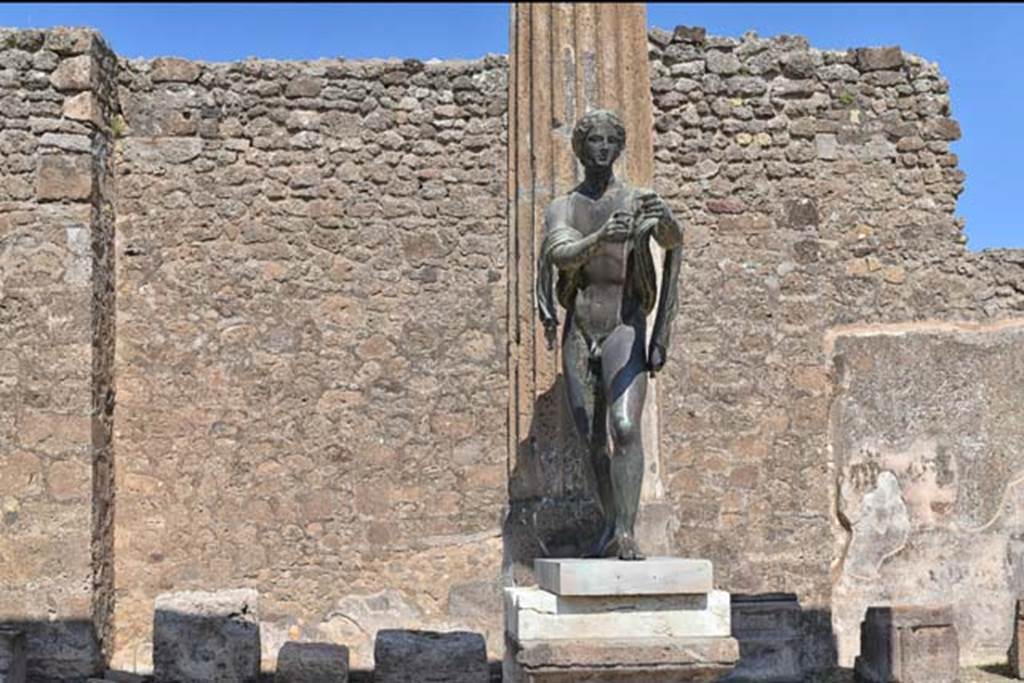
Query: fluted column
(567, 59)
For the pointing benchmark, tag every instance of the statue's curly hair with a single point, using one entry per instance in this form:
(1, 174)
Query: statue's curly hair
(591, 119)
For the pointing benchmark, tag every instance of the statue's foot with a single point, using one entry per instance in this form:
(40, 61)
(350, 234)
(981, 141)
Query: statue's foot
(601, 545)
(628, 549)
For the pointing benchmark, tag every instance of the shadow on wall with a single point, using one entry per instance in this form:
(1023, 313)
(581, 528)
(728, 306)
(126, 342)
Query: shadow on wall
(552, 509)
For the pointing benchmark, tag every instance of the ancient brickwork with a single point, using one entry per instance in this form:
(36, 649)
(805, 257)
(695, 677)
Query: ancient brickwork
(819, 190)
(311, 344)
(56, 344)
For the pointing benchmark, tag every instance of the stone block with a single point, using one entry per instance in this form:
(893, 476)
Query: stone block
(312, 663)
(659, 37)
(12, 656)
(535, 614)
(942, 129)
(206, 636)
(908, 645)
(620, 660)
(70, 41)
(411, 656)
(745, 223)
(799, 214)
(84, 107)
(879, 58)
(1016, 655)
(695, 35)
(64, 176)
(173, 70)
(767, 628)
(67, 142)
(75, 73)
(826, 146)
(654, 576)
(303, 87)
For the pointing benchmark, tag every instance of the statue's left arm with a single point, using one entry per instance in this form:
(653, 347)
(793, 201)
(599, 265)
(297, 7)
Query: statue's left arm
(668, 233)
(668, 304)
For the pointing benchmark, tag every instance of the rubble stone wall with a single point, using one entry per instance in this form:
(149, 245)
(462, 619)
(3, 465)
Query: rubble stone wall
(311, 345)
(818, 189)
(56, 345)
(310, 325)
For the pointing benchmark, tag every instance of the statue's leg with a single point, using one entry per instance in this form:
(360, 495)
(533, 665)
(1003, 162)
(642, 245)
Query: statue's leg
(588, 408)
(624, 381)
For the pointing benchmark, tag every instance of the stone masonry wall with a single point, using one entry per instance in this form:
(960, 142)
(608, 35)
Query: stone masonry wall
(56, 345)
(818, 190)
(310, 331)
(311, 345)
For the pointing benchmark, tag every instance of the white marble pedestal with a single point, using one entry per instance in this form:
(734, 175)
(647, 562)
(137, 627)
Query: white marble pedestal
(602, 621)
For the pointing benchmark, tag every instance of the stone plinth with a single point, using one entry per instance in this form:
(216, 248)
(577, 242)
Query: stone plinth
(767, 628)
(312, 663)
(610, 625)
(12, 656)
(908, 645)
(200, 636)
(654, 576)
(1015, 654)
(417, 656)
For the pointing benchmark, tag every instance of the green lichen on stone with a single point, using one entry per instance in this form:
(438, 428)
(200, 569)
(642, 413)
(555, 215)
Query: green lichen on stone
(118, 126)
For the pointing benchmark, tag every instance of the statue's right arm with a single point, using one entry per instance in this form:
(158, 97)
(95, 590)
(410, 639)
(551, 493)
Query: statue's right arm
(566, 248)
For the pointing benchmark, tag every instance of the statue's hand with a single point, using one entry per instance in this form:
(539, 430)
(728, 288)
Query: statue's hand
(652, 206)
(655, 358)
(618, 228)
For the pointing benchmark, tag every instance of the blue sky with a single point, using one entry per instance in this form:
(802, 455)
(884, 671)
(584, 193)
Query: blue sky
(976, 45)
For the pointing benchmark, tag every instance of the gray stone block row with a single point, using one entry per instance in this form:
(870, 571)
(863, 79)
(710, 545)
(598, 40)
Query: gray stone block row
(202, 637)
(905, 644)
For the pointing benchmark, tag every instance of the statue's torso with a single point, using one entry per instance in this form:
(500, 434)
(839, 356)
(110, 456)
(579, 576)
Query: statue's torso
(600, 303)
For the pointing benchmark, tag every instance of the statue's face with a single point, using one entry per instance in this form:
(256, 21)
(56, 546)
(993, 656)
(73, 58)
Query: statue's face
(602, 146)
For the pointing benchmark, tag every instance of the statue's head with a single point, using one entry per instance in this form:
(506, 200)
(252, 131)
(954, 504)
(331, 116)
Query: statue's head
(598, 138)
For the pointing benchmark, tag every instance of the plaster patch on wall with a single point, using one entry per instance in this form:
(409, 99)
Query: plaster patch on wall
(925, 435)
(880, 530)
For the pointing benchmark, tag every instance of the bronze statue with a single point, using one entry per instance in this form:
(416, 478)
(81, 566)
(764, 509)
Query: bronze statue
(597, 237)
